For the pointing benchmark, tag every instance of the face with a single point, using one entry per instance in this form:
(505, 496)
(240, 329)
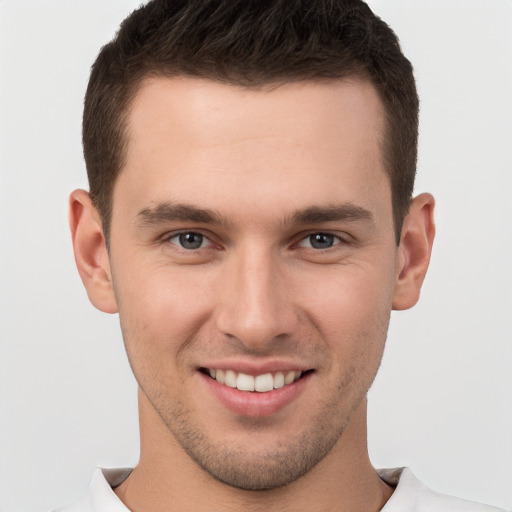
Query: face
(254, 265)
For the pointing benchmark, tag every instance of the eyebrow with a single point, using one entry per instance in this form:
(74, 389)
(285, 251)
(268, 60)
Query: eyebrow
(318, 214)
(172, 212)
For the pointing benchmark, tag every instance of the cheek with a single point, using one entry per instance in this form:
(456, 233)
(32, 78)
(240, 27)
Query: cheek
(352, 313)
(160, 310)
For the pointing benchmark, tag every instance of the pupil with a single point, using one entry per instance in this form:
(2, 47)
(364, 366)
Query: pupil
(321, 240)
(191, 240)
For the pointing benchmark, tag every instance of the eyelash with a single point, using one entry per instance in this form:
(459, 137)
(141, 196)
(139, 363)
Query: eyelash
(337, 240)
(204, 237)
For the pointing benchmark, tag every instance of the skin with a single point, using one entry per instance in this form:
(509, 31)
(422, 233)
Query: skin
(257, 293)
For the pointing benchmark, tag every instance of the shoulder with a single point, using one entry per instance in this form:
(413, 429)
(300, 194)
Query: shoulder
(100, 497)
(412, 496)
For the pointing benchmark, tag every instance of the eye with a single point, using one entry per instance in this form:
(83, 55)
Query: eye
(320, 241)
(190, 240)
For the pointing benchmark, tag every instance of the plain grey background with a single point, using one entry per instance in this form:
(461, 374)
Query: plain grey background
(442, 402)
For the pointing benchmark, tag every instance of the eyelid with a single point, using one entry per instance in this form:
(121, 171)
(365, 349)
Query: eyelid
(167, 237)
(305, 242)
(341, 238)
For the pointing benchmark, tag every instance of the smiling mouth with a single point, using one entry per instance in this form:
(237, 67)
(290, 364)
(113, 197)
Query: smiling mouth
(259, 383)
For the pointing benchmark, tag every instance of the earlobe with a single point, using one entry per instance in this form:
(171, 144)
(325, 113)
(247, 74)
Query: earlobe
(90, 250)
(414, 251)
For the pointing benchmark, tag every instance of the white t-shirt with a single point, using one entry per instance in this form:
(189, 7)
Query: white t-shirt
(410, 495)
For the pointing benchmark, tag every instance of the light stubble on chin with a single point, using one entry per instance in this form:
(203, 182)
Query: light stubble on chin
(266, 466)
(277, 465)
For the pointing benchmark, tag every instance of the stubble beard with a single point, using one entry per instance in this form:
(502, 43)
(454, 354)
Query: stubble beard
(274, 466)
(283, 462)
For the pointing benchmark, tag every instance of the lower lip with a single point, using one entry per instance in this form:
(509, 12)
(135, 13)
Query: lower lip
(253, 404)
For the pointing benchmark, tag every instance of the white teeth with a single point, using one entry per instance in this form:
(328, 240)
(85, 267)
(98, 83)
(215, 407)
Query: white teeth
(220, 375)
(278, 380)
(260, 383)
(264, 383)
(230, 379)
(245, 382)
(289, 378)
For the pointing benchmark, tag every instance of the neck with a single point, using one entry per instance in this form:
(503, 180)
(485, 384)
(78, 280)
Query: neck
(167, 479)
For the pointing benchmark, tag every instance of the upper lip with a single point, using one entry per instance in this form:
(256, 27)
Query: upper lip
(255, 368)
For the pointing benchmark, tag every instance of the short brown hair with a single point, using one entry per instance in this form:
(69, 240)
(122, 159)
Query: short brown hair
(249, 43)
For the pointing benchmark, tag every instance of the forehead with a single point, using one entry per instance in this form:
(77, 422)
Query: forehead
(205, 112)
(204, 140)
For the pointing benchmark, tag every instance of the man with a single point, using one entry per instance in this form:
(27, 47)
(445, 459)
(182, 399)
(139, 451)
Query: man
(251, 167)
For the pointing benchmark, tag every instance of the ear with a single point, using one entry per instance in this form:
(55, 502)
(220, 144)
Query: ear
(90, 249)
(414, 251)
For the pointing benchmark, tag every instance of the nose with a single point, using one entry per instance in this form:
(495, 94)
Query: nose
(255, 306)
